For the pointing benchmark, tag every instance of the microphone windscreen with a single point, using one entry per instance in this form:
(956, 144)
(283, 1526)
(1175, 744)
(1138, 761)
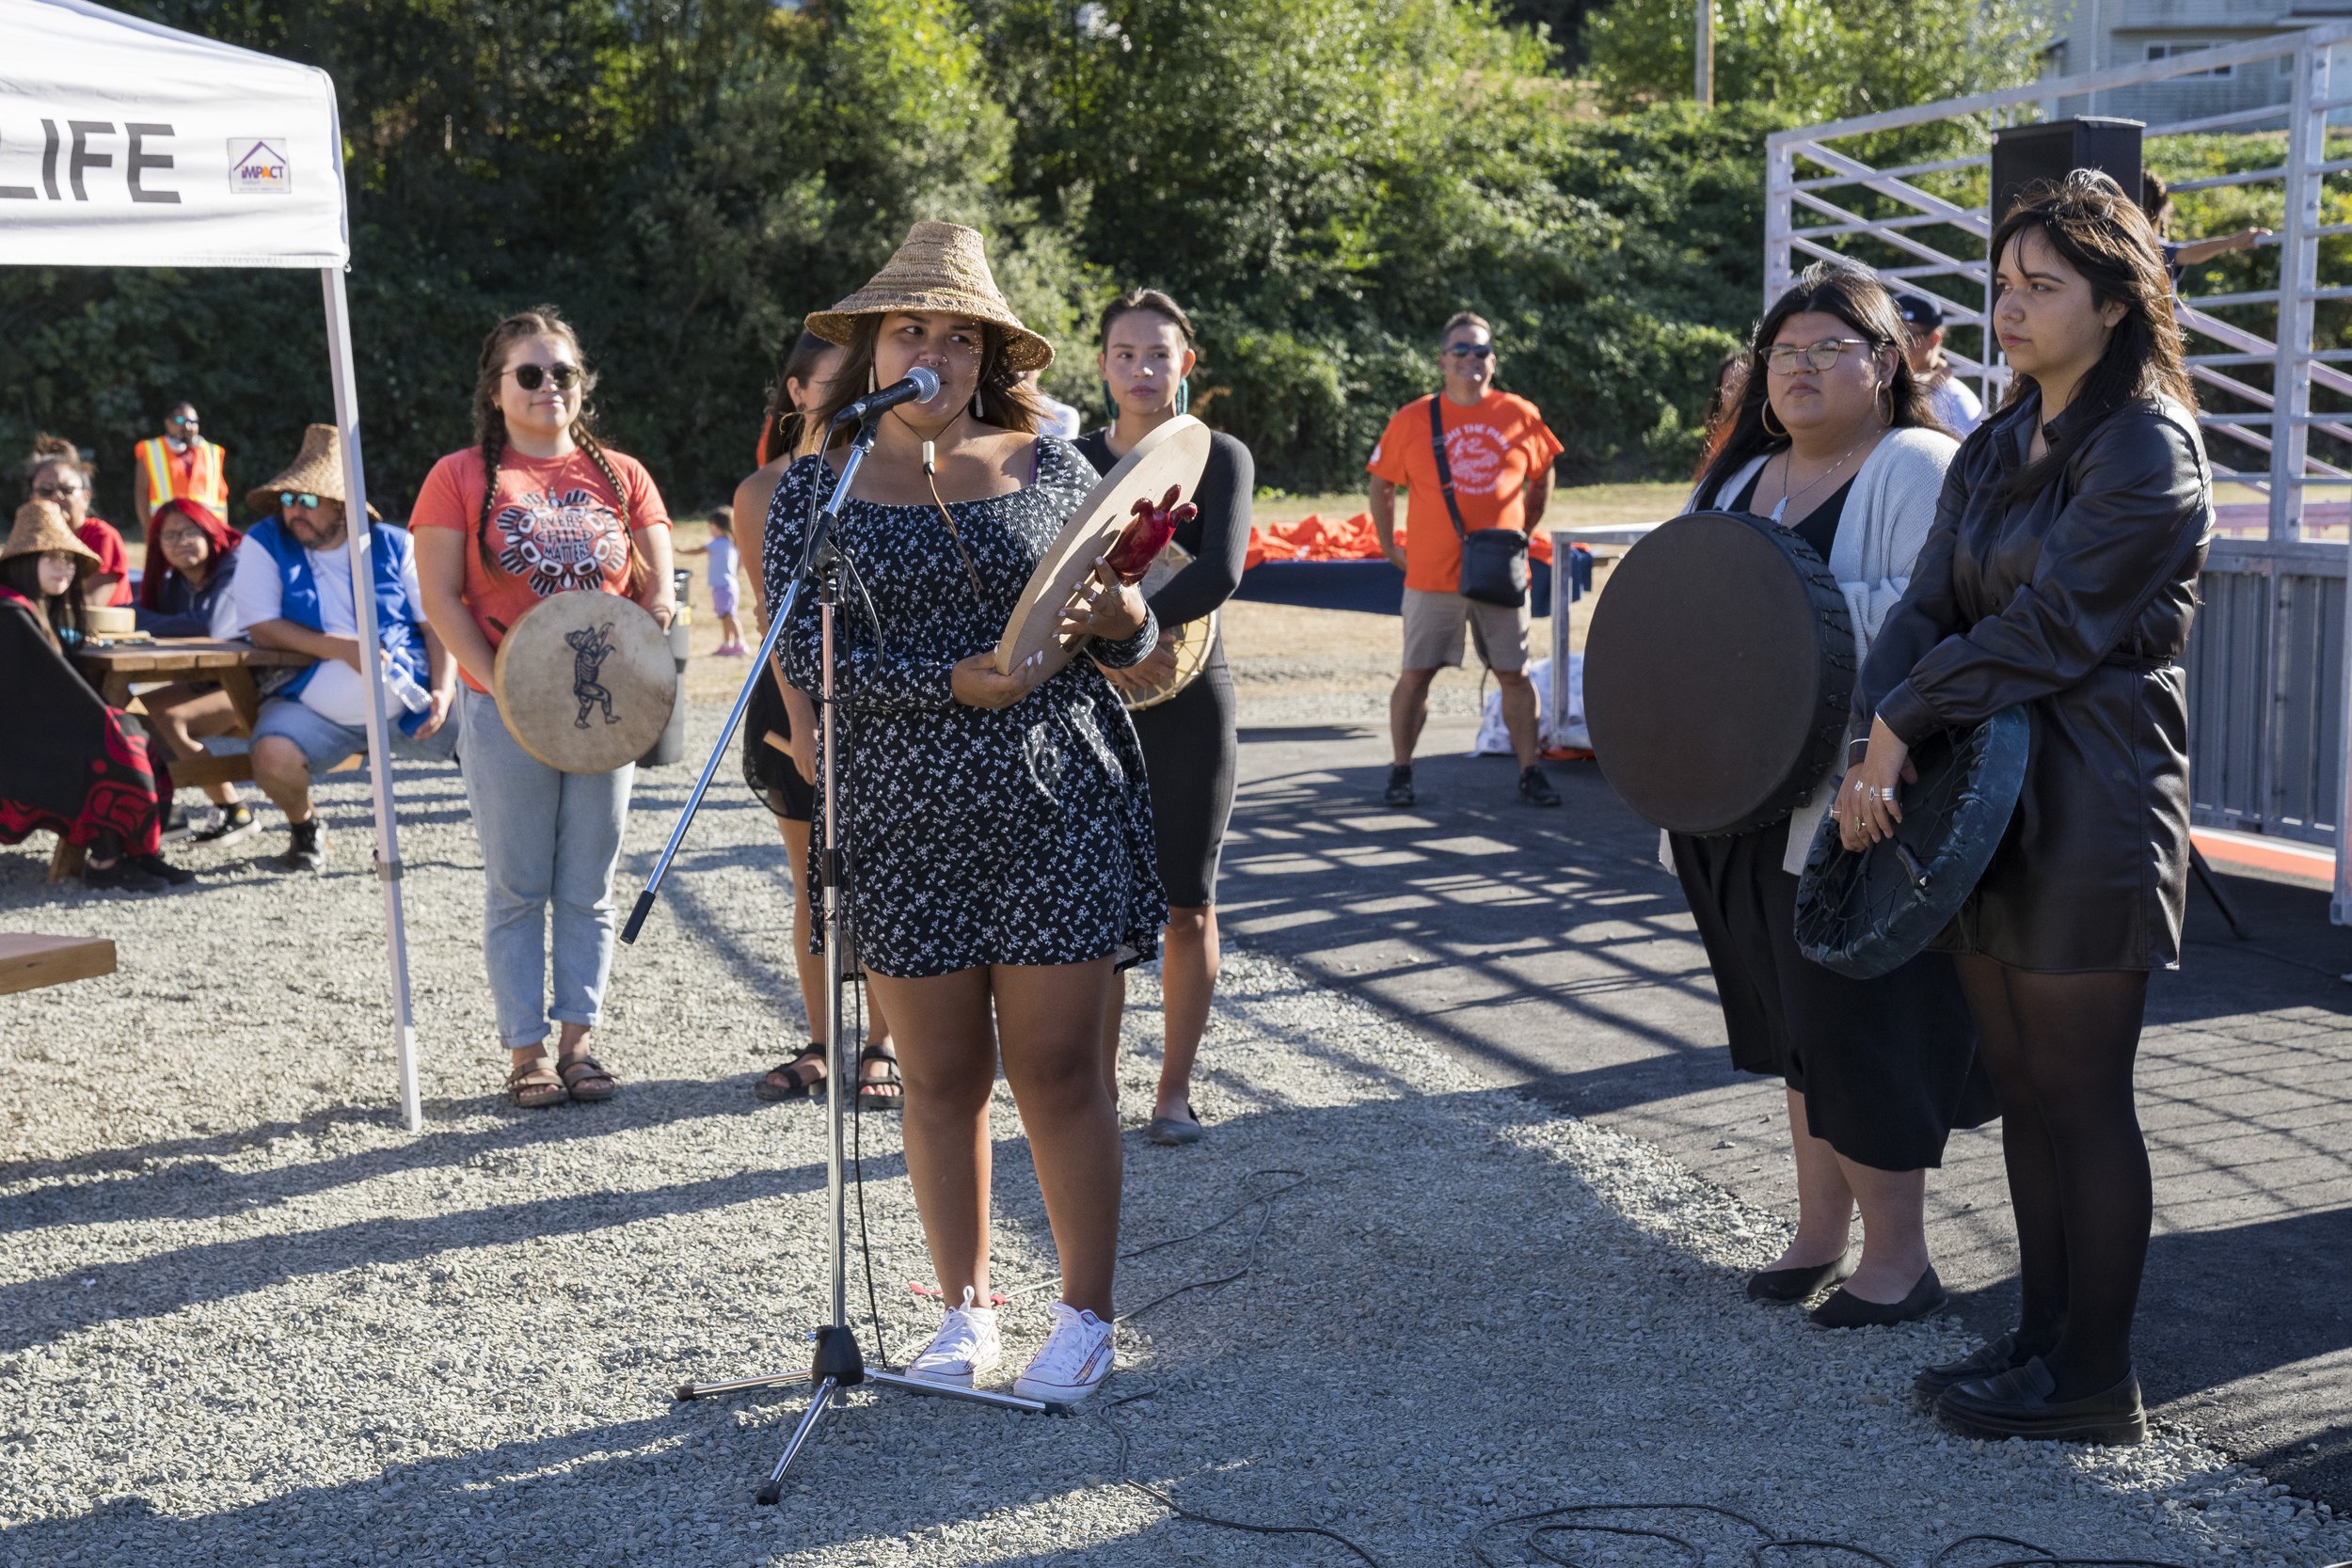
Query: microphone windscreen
(926, 382)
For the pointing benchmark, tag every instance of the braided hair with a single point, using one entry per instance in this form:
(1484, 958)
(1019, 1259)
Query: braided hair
(489, 427)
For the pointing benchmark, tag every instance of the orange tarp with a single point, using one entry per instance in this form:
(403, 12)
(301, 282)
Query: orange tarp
(1313, 538)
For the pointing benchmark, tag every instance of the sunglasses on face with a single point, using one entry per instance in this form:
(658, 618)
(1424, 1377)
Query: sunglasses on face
(185, 422)
(532, 378)
(1472, 351)
(291, 498)
(53, 492)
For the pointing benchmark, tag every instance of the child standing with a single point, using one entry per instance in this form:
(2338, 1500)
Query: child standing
(723, 583)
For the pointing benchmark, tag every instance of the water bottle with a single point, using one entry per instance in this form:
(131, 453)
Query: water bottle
(412, 696)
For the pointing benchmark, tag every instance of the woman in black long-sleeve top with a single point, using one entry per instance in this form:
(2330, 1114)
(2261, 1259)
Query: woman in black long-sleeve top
(1188, 742)
(2061, 579)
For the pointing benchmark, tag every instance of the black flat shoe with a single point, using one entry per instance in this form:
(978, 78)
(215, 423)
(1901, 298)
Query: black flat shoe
(1986, 1360)
(1400, 790)
(1798, 1284)
(2017, 1403)
(1847, 1310)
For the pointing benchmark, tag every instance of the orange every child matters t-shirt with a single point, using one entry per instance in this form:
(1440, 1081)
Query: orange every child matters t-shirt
(555, 527)
(1490, 449)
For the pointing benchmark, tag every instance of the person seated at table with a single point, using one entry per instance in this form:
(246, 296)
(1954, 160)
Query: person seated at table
(56, 472)
(73, 765)
(294, 592)
(184, 592)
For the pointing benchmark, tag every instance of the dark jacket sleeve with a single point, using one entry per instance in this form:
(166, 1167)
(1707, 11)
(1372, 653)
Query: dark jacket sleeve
(1223, 498)
(2138, 509)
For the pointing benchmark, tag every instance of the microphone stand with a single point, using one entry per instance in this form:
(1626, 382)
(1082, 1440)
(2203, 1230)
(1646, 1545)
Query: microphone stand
(836, 1365)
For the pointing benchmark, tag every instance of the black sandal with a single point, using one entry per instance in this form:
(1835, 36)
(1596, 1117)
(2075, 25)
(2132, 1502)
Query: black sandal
(785, 1081)
(881, 1094)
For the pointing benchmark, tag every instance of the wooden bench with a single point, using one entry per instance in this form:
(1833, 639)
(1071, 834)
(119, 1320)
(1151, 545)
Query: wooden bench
(28, 962)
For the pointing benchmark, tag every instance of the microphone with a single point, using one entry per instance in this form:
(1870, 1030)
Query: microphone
(919, 385)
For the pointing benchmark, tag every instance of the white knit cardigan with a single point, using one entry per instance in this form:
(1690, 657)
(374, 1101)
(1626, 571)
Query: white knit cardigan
(1879, 534)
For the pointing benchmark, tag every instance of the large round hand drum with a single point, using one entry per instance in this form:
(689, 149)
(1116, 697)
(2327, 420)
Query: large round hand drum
(1863, 914)
(585, 681)
(1717, 672)
(1175, 455)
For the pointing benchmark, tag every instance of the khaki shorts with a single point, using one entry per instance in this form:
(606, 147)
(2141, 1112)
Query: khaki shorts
(1433, 631)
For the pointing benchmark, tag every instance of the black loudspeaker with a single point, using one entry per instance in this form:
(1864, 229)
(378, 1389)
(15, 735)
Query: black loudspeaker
(2024, 154)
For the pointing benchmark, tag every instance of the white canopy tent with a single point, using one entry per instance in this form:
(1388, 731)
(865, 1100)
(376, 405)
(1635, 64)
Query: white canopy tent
(126, 143)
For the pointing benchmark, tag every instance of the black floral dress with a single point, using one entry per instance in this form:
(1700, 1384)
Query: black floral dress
(1018, 835)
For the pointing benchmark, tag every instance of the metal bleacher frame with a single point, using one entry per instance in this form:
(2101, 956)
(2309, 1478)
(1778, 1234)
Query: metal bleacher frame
(2267, 659)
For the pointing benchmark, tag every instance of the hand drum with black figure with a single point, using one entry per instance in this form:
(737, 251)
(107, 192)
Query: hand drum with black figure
(1717, 673)
(1863, 914)
(585, 681)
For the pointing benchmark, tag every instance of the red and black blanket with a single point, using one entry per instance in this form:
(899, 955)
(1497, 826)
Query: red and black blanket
(69, 763)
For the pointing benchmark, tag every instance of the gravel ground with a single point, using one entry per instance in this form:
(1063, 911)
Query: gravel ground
(245, 1319)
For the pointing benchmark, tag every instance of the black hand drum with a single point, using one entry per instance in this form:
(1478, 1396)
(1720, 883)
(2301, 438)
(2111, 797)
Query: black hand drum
(1865, 914)
(1717, 673)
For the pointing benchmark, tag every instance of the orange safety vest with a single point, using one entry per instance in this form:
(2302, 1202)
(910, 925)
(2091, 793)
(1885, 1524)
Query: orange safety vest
(197, 475)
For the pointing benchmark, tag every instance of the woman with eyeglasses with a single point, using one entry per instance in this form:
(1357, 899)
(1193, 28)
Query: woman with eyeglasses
(1832, 441)
(538, 506)
(56, 473)
(2062, 579)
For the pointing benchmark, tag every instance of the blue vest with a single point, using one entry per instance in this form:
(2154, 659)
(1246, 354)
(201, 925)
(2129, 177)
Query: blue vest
(397, 623)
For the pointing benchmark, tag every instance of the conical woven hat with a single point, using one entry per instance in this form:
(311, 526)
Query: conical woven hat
(940, 267)
(40, 526)
(317, 471)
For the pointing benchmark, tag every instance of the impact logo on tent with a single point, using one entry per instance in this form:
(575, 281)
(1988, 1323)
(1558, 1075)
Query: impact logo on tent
(259, 168)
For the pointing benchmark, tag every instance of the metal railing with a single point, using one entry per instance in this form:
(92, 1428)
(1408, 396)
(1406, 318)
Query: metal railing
(2267, 662)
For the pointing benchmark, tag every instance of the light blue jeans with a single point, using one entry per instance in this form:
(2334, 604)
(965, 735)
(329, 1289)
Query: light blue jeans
(548, 837)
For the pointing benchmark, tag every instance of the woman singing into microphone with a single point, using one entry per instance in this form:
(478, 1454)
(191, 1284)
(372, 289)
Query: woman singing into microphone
(2061, 579)
(999, 833)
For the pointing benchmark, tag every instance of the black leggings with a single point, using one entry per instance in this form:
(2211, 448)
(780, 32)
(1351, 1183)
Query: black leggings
(2059, 1048)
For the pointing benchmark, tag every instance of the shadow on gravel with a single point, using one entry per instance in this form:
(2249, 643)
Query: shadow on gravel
(39, 1312)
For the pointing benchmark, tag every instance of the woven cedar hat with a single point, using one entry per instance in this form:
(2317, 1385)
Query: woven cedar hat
(40, 527)
(318, 470)
(940, 267)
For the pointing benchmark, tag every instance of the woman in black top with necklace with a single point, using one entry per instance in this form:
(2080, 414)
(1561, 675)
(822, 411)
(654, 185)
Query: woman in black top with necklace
(1188, 740)
(2060, 580)
(1832, 441)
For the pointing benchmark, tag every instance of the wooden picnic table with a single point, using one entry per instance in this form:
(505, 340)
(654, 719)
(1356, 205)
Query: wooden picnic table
(114, 669)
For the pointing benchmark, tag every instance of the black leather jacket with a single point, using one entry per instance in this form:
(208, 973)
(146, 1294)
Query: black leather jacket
(2075, 602)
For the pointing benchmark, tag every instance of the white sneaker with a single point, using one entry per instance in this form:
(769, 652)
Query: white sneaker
(965, 1344)
(1073, 1362)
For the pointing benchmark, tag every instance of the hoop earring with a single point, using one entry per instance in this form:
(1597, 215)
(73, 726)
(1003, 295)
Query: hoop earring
(1780, 435)
(1184, 394)
(1886, 393)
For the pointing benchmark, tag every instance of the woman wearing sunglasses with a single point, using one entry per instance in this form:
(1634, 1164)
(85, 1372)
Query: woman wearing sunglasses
(1832, 440)
(538, 505)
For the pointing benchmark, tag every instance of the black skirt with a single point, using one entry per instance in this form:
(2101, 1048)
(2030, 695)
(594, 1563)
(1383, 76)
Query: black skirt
(1887, 1067)
(1190, 754)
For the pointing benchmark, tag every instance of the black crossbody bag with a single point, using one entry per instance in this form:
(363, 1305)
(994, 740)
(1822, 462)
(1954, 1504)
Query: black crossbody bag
(1494, 560)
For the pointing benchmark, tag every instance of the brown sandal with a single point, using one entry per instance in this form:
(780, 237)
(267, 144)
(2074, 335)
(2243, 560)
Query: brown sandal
(585, 1077)
(535, 1084)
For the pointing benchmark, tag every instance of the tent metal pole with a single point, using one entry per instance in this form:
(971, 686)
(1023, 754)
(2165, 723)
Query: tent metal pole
(360, 539)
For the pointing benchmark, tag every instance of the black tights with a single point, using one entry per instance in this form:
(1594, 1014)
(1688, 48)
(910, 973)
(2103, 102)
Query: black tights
(2059, 1048)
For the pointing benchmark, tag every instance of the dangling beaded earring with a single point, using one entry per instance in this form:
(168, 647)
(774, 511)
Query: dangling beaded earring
(873, 377)
(976, 406)
(1184, 394)
(1110, 402)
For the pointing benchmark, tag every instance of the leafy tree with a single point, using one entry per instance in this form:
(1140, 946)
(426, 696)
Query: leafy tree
(1815, 59)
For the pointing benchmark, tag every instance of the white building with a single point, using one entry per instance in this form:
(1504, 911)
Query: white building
(2091, 35)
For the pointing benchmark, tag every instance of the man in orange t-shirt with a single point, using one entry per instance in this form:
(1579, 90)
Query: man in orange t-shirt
(1499, 453)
